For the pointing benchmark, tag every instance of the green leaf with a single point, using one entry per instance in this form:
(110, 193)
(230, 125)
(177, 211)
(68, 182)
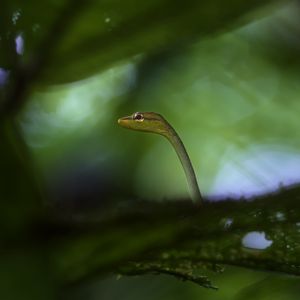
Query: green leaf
(20, 196)
(105, 32)
(67, 40)
(180, 237)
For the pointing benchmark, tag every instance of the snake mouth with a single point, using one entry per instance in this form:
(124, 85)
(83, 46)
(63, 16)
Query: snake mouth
(125, 121)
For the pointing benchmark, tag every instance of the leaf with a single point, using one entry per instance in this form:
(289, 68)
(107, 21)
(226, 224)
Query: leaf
(106, 32)
(67, 40)
(181, 237)
(20, 197)
(185, 271)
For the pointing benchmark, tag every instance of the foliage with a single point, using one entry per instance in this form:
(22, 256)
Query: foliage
(46, 250)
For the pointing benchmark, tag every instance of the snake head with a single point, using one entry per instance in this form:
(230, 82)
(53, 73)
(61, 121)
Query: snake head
(145, 121)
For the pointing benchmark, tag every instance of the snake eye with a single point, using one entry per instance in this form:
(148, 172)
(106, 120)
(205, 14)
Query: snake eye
(138, 117)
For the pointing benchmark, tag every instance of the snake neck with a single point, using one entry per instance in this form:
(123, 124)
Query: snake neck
(177, 144)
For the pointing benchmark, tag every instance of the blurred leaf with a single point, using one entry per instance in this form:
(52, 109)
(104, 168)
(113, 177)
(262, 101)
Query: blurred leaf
(108, 31)
(168, 236)
(23, 272)
(87, 36)
(25, 275)
(272, 288)
(20, 197)
(7, 42)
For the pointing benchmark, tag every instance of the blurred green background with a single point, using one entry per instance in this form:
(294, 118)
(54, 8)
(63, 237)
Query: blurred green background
(225, 75)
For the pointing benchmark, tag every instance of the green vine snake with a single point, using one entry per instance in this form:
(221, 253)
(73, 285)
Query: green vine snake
(155, 123)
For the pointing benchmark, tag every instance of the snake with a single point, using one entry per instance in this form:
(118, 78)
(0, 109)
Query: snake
(155, 123)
